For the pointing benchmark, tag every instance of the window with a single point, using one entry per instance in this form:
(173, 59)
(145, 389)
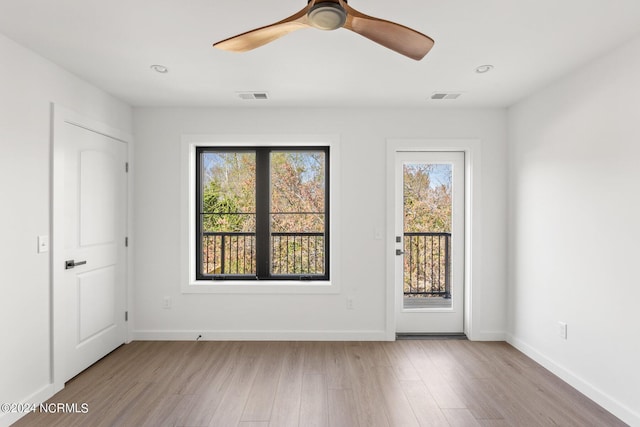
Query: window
(262, 213)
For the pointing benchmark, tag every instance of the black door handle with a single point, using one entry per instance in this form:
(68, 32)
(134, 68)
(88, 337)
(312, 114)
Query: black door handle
(71, 264)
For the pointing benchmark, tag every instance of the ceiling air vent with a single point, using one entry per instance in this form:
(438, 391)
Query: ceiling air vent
(253, 95)
(446, 95)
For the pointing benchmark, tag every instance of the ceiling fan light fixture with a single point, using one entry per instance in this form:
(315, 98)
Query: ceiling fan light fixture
(331, 15)
(327, 16)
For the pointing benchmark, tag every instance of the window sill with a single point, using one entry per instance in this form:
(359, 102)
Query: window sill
(264, 287)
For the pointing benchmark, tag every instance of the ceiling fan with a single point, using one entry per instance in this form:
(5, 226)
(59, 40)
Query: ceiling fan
(331, 15)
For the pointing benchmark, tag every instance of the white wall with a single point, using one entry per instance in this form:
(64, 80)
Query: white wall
(573, 228)
(574, 211)
(363, 133)
(28, 85)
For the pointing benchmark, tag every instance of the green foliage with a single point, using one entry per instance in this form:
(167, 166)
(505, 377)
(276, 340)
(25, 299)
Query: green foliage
(427, 204)
(217, 203)
(298, 193)
(228, 199)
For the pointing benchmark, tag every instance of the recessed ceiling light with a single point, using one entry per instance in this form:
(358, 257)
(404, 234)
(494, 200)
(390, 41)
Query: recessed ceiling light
(484, 69)
(159, 68)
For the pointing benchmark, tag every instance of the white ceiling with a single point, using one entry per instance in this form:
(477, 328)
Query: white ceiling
(112, 43)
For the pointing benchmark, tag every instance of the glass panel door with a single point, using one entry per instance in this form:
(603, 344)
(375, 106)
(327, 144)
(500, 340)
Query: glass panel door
(429, 220)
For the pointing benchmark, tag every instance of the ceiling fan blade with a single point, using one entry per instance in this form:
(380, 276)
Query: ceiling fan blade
(394, 36)
(263, 35)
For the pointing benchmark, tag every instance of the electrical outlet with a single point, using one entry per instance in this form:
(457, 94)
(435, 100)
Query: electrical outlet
(166, 302)
(349, 303)
(562, 330)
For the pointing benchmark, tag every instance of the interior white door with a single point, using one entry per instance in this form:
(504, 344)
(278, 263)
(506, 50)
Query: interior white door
(429, 239)
(89, 286)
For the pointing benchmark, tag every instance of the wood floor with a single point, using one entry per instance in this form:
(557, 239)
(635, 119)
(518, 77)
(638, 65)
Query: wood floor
(259, 384)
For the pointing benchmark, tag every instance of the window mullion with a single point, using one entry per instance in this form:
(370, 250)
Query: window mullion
(263, 204)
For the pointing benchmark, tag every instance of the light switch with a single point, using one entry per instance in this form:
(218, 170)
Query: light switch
(43, 244)
(377, 234)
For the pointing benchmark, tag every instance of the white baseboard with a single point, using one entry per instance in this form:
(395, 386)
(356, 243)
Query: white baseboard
(621, 411)
(40, 396)
(488, 336)
(192, 335)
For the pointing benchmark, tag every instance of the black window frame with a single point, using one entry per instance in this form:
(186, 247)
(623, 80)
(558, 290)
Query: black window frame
(263, 214)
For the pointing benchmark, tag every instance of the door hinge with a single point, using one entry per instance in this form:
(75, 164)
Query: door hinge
(126, 242)
(126, 316)
(126, 167)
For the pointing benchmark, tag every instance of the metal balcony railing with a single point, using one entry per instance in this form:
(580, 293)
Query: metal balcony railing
(229, 253)
(234, 253)
(427, 260)
(427, 264)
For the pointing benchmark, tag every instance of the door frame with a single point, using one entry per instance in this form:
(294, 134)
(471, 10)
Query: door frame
(471, 148)
(60, 117)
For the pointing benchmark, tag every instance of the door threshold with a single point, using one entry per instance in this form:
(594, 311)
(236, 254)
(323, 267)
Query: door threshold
(430, 336)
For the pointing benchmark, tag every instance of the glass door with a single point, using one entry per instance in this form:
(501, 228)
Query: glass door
(429, 238)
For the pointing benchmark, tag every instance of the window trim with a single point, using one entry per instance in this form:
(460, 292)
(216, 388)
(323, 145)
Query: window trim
(189, 281)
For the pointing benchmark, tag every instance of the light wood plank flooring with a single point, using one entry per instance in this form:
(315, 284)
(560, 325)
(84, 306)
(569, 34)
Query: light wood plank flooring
(251, 384)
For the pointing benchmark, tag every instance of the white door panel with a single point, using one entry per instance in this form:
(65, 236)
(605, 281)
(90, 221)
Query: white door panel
(97, 304)
(429, 233)
(89, 227)
(98, 196)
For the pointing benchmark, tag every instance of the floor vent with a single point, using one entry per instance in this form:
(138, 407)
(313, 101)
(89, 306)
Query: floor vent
(253, 95)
